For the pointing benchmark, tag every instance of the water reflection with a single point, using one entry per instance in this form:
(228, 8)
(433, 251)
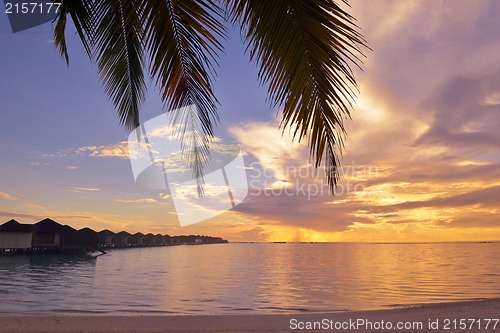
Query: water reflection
(250, 278)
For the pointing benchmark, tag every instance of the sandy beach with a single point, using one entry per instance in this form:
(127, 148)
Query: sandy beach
(472, 316)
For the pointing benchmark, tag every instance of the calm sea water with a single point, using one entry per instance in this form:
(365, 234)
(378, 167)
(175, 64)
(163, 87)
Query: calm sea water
(250, 278)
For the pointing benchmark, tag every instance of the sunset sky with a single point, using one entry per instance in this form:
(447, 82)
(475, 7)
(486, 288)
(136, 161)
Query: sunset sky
(422, 155)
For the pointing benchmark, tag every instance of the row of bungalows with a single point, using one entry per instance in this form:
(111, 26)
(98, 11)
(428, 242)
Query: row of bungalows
(124, 239)
(51, 236)
(45, 236)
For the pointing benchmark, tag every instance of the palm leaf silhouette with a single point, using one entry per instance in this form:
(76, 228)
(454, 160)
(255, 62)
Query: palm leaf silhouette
(303, 50)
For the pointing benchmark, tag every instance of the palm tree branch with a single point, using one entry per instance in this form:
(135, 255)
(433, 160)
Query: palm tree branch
(81, 13)
(304, 50)
(119, 53)
(182, 37)
(59, 33)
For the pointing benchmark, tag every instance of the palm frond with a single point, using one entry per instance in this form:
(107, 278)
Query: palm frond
(82, 15)
(303, 50)
(59, 33)
(194, 144)
(119, 53)
(182, 37)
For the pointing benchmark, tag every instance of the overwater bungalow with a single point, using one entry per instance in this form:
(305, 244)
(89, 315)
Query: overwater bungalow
(160, 240)
(137, 239)
(69, 237)
(15, 235)
(122, 238)
(88, 238)
(167, 240)
(150, 239)
(73, 240)
(107, 238)
(48, 233)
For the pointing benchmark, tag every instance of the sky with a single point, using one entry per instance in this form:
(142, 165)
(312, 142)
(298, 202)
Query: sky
(421, 161)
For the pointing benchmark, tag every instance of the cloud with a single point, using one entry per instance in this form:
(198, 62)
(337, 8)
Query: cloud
(118, 150)
(315, 213)
(7, 196)
(11, 214)
(139, 150)
(34, 206)
(460, 119)
(169, 132)
(143, 200)
(486, 197)
(83, 189)
(165, 196)
(491, 99)
(272, 148)
(39, 164)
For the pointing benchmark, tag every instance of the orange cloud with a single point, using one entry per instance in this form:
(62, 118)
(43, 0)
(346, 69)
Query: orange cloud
(7, 196)
(119, 150)
(143, 200)
(83, 189)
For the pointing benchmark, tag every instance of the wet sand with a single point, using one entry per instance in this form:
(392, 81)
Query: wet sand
(440, 317)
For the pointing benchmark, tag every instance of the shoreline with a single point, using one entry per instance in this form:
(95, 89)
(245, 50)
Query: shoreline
(473, 313)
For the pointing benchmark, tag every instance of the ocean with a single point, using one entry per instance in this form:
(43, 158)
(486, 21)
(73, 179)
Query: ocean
(249, 278)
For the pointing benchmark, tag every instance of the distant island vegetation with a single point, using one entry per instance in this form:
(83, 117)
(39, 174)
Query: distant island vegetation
(51, 237)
